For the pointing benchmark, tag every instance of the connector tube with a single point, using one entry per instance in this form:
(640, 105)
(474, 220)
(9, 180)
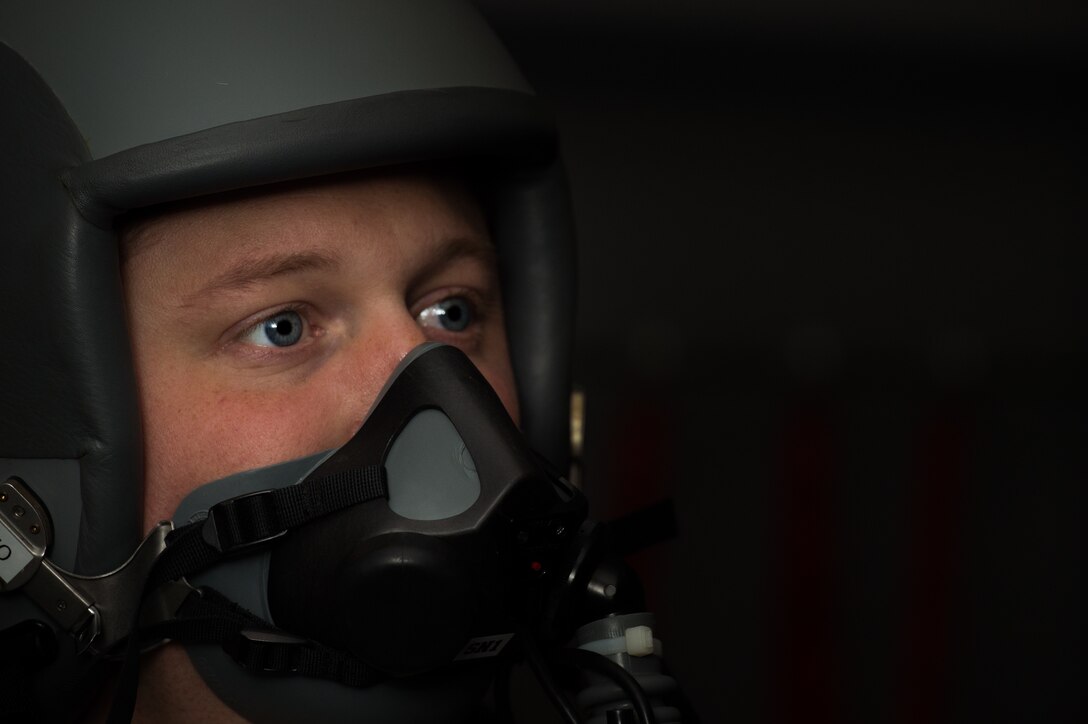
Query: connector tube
(623, 640)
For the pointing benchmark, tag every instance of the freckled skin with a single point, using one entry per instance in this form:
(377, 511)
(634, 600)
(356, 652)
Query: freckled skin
(216, 403)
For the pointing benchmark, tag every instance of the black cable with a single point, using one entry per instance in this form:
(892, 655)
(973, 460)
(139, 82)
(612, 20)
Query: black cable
(620, 676)
(29, 647)
(500, 693)
(543, 675)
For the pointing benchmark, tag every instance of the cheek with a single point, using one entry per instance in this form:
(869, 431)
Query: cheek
(195, 438)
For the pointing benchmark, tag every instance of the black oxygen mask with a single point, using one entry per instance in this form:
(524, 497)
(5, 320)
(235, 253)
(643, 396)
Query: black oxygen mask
(459, 549)
(423, 583)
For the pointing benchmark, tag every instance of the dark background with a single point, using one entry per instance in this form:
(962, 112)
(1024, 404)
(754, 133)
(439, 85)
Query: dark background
(832, 262)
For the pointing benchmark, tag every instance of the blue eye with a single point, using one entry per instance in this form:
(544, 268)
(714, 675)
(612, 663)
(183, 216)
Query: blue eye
(453, 315)
(283, 329)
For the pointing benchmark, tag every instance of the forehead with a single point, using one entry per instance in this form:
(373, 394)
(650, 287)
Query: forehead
(404, 205)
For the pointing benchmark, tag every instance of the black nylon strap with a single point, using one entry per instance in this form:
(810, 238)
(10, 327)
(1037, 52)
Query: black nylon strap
(207, 617)
(250, 520)
(247, 521)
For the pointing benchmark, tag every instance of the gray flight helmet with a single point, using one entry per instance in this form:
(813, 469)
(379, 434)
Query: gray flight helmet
(108, 108)
(125, 105)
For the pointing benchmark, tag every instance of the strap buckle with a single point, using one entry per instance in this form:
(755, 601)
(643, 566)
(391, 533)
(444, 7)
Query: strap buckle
(243, 522)
(271, 652)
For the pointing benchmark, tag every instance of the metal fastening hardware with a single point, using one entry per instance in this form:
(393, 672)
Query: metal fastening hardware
(22, 547)
(96, 610)
(25, 534)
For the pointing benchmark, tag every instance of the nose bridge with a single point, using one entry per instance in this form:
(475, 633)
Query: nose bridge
(405, 334)
(392, 332)
(384, 336)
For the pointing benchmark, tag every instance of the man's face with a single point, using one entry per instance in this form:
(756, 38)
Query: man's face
(263, 328)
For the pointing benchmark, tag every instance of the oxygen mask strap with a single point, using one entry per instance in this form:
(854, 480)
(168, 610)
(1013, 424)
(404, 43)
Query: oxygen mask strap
(247, 521)
(239, 525)
(205, 616)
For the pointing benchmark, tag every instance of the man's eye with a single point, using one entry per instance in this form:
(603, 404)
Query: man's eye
(453, 315)
(282, 329)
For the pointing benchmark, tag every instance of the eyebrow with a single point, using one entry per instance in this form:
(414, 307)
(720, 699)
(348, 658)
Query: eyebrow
(459, 247)
(253, 270)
